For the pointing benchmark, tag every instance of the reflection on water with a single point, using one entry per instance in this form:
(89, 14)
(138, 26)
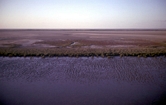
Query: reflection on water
(82, 81)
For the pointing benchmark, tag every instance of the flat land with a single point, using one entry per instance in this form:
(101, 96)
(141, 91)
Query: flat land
(82, 43)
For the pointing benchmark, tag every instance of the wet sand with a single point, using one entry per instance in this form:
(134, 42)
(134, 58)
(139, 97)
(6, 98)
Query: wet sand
(82, 81)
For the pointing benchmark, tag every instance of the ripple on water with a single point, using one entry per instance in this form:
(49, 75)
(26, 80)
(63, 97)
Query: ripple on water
(67, 80)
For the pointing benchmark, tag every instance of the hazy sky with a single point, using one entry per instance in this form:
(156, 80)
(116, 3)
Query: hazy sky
(67, 14)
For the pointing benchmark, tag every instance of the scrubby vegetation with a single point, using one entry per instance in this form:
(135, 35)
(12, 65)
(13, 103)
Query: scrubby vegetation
(76, 52)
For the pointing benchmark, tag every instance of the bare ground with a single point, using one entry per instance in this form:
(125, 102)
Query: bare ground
(82, 42)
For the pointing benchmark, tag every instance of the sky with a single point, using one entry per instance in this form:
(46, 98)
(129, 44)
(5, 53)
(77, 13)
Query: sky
(82, 14)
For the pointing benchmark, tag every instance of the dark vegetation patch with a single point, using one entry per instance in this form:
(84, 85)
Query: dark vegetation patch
(76, 52)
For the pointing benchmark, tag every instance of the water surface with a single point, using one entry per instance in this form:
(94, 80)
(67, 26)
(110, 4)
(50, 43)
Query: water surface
(82, 81)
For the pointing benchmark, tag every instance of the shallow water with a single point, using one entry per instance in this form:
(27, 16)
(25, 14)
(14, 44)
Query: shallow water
(82, 81)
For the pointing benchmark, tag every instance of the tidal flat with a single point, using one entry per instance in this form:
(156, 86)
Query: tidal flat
(82, 43)
(82, 81)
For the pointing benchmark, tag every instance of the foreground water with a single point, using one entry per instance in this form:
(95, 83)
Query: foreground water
(82, 81)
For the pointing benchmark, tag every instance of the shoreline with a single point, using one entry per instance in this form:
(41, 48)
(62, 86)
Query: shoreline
(50, 52)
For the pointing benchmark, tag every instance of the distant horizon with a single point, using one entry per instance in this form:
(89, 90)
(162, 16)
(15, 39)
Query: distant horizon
(84, 29)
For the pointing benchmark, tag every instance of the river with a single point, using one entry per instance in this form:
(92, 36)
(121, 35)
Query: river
(82, 81)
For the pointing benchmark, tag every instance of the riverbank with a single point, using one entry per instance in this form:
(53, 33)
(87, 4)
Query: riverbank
(50, 52)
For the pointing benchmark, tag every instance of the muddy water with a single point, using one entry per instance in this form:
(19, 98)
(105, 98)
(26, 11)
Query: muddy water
(82, 81)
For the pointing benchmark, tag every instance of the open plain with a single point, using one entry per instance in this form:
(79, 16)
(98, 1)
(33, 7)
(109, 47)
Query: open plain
(82, 42)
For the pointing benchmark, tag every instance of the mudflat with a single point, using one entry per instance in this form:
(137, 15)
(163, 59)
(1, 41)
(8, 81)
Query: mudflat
(82, 42)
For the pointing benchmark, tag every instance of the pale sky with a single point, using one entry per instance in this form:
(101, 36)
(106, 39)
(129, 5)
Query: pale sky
(82, 14)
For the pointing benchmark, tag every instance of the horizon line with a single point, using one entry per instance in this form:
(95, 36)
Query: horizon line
(86, 29)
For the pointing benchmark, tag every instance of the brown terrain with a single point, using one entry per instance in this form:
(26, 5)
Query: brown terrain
(83, 43)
